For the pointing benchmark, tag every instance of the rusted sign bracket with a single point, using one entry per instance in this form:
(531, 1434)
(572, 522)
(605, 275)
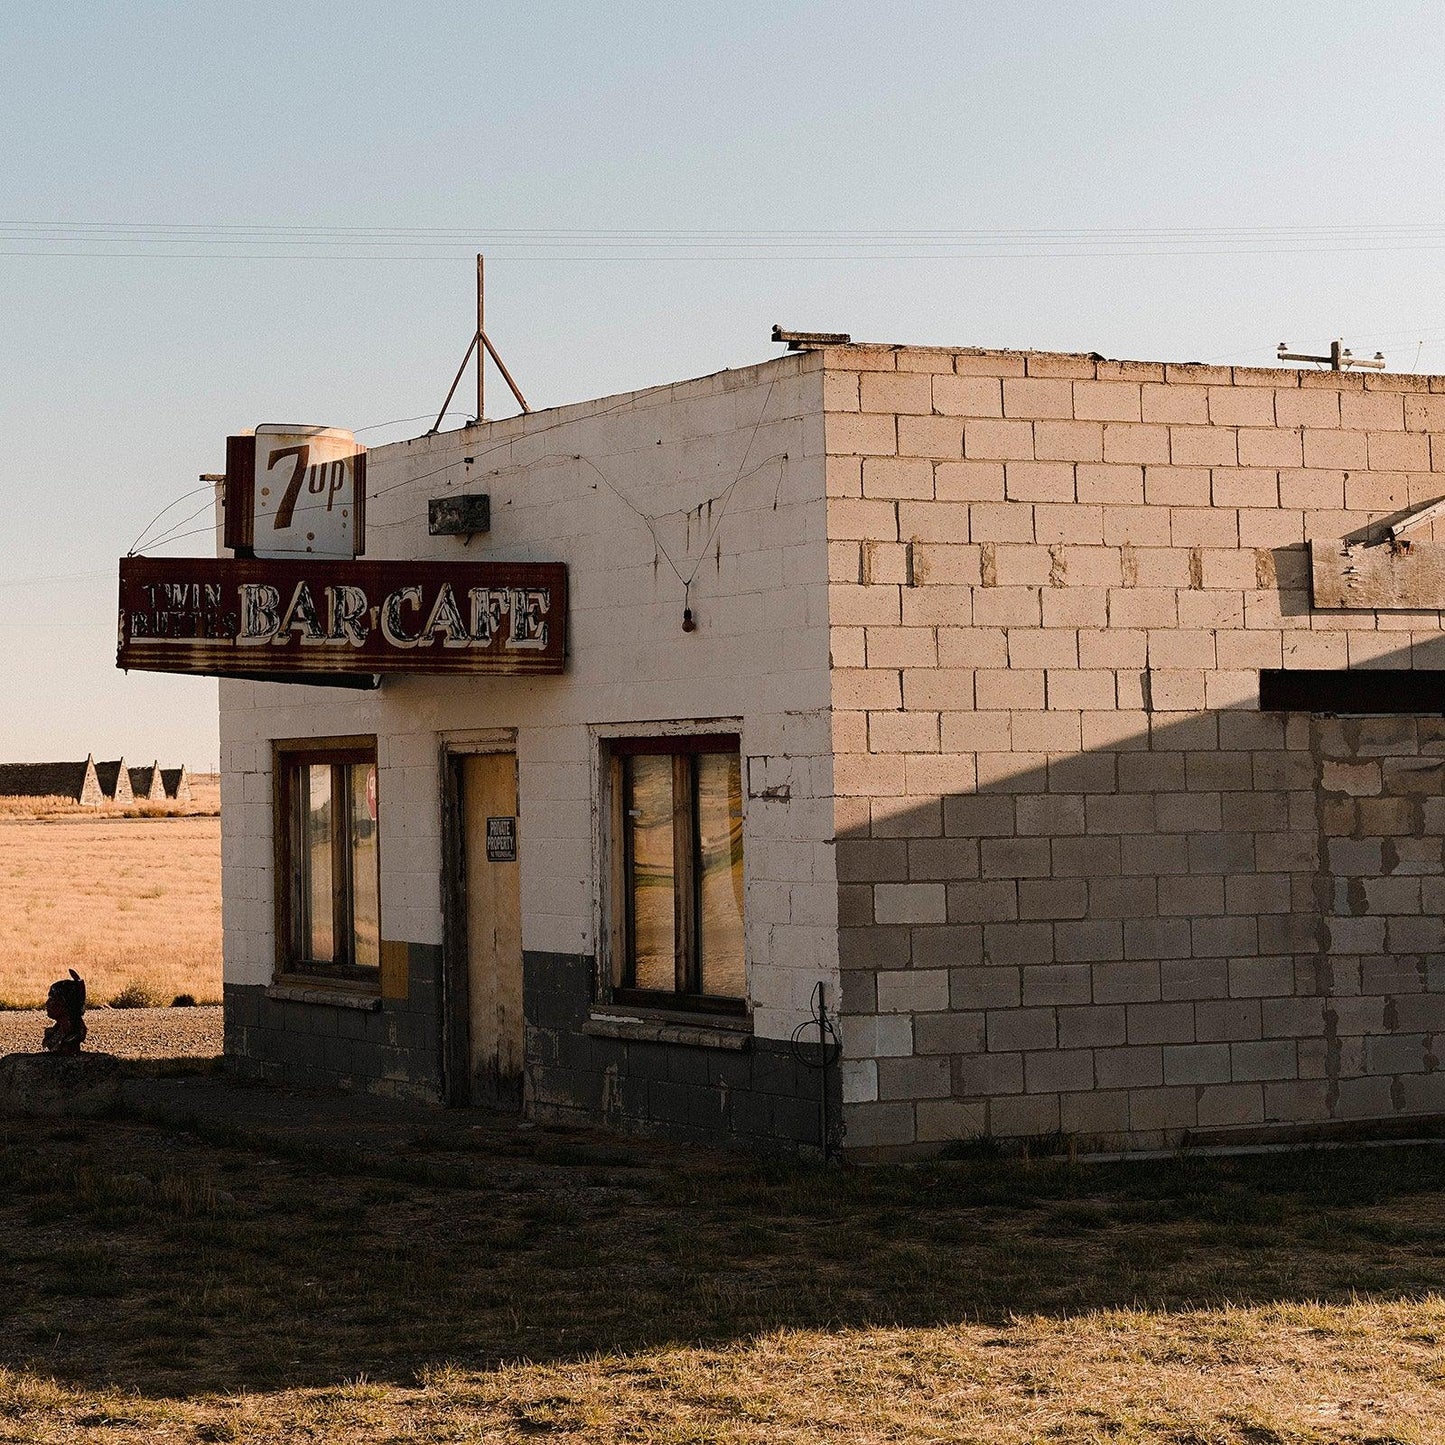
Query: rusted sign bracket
(1397, 575)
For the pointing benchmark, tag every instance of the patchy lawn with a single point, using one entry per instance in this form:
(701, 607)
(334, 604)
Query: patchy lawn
(218, 1283)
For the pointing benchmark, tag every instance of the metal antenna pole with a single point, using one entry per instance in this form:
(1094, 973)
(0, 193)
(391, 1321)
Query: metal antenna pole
(481, 343)
(481, 331)
(456, 382)
(506, 375)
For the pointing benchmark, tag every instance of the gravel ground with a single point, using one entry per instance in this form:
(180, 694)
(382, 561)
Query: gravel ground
(132, 1033)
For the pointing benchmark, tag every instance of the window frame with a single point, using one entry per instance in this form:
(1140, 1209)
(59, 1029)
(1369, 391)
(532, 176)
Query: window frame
(687, 996)
(287, 756)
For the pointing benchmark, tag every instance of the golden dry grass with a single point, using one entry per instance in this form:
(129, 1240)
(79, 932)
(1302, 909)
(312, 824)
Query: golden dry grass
(1263, 1376)
(205, 801)
(535, 1284)
(121, 899)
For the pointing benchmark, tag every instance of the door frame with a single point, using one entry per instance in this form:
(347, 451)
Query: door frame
(455, 993)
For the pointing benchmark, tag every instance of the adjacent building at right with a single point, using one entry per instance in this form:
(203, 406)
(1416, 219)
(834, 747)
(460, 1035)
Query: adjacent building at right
(1139, 836)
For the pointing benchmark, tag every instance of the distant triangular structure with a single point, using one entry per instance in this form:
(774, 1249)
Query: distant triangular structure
(177, 783)
(146, 784)
(76, 782)
(115, 781)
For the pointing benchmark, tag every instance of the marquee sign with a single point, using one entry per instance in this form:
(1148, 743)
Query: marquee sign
(329, 620)
(296, 491)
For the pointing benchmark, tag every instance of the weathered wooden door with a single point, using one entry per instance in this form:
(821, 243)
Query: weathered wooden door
(493, 928)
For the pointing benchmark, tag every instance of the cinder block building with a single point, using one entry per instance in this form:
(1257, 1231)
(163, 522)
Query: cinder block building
(991, 691)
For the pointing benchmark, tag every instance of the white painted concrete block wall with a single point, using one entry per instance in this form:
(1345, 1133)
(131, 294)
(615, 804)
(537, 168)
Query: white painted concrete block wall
(724, 475)
(1084, 884)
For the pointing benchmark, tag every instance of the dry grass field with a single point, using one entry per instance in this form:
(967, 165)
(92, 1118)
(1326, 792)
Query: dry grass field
(129, 898)
(205, 801)
(213, 1281)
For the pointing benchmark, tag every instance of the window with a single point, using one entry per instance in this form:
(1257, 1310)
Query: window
(677, 853)
(329, 881)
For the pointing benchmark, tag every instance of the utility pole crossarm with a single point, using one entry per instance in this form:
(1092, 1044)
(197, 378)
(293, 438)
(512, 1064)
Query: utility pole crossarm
(1339, 359)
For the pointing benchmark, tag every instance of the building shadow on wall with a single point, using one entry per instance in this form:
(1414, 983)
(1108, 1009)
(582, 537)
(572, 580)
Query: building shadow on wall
(1213, 921)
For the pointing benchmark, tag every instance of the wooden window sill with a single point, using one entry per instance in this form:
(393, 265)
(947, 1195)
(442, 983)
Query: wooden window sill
(699, 1031)
(319, 992)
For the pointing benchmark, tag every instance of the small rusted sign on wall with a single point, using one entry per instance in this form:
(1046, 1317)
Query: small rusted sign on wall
(459, 516)
(1388, 576)
(229, 617)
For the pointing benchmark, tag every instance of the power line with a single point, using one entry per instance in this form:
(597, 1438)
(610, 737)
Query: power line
(169, 533)
(793, 234)
(194, 532)
(54, 577)
(204, 487)
(809, 257)
(271, 242)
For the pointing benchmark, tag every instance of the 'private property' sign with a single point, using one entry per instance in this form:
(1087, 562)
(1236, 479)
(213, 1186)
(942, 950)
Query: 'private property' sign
(309, 620)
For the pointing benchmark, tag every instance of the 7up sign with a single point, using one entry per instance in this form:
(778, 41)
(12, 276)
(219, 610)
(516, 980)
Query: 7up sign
(295, 490)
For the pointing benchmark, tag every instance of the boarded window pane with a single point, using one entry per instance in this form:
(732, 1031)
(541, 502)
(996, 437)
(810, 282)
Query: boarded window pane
(1340, 692)
(649, 843)
(365, 879)
(720, 855)
(318, 942)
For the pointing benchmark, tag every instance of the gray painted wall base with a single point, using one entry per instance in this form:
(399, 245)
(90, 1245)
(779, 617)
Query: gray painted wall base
(393, 1051)
(764, 1096)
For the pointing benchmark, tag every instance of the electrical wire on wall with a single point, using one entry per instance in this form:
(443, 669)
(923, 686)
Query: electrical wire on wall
(723, 498)
(821, 1053)
(651, 519)
(720, 500)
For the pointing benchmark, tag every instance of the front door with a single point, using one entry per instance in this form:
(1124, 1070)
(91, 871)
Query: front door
(492, 928)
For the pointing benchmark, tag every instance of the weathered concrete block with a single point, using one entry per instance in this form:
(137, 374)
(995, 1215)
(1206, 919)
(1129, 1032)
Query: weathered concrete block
(59, 1085)
(948, 1119)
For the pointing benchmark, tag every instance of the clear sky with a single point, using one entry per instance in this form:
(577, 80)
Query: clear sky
(1172, 181)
